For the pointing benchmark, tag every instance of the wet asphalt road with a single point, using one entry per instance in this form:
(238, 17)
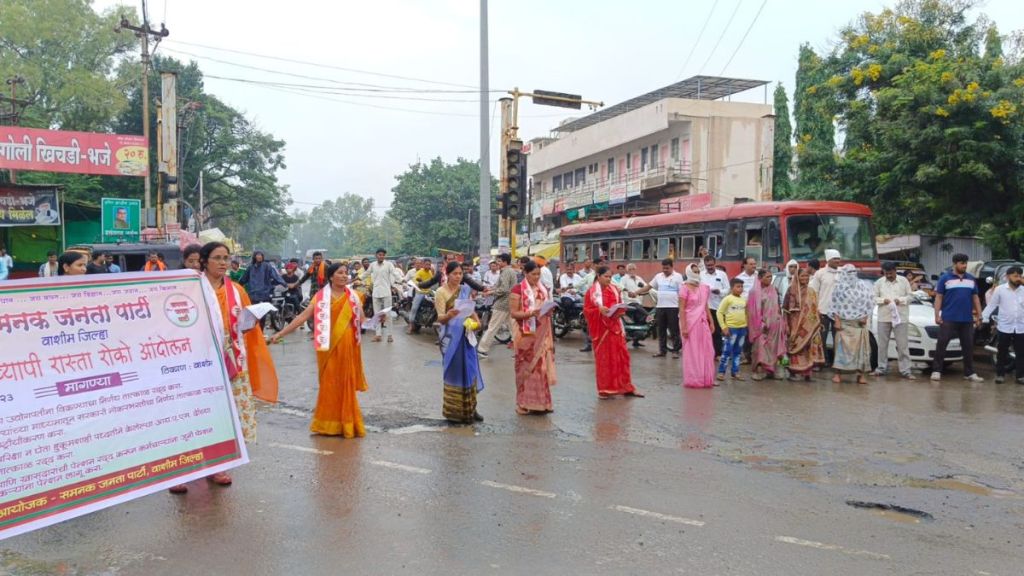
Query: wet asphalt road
(749, 478)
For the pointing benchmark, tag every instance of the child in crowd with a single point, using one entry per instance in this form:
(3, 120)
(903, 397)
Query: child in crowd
(732, 316)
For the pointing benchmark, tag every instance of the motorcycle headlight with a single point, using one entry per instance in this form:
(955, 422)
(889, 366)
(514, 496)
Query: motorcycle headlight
(913, 331)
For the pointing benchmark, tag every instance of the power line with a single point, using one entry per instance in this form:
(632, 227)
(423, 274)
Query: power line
(331, 90)
(329, 66)
(749, 28)
(722, 35)
(693, 48)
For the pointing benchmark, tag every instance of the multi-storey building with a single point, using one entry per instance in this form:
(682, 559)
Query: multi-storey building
(677, 148)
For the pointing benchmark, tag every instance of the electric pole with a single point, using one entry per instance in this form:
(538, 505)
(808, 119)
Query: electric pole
(14, 82)
(485, 151)
(143, 33)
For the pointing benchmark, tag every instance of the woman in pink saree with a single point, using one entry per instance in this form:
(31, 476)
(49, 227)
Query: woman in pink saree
(767, 327)
(695, 329)
(533, 341)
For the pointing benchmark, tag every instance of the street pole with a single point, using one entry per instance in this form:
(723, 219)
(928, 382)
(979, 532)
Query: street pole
(201, 204)
(485, 152)
(13, 82)
(505, 224)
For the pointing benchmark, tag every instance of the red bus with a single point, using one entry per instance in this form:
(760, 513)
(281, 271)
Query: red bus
(771, 232)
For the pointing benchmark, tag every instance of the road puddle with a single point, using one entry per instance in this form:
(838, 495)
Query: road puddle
(800, 469)
(960, 485)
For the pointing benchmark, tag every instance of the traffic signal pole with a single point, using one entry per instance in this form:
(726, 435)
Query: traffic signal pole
(510, 134)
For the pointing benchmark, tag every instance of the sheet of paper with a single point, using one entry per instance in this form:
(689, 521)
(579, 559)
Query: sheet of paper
(251, 315)
(547, 307)
(466, 307)
(611, 311)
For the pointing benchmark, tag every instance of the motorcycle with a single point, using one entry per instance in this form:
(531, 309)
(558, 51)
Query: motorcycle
(503, 335)
(638, 323)
(285, 309)
(426, 315)
(568, 316)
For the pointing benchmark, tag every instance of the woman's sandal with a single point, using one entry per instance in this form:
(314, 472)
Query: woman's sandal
(220, 479)
(179, 489)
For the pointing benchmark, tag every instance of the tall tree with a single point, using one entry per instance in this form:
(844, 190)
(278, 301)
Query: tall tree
(433, 202)
(783, 164)
(929, 105)
(815, 133)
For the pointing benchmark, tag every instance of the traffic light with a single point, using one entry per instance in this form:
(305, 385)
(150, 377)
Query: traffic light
(502, 206)
(515, 181)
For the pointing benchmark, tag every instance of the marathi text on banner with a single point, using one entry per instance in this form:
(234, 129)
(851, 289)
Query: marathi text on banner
(74, 152)
(28, 206)
(111, 387)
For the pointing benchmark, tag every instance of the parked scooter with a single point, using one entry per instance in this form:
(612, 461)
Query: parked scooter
(638, 322)
(426, 315)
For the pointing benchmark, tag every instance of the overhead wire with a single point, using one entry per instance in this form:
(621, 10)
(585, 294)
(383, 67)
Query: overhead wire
(336, 91)
(696, 42)
(322, 65)
(721, 36)
(744, 38)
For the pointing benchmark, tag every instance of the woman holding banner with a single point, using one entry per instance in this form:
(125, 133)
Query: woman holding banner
(246, 355)
(338, 321)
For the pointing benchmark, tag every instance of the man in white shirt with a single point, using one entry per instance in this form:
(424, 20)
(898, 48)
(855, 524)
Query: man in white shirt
(824, 283)
(893, 291)
(566, 280)
(383, 275)
(630, 283)
(748, 275)
(1008, 298)
(546, 277)
(718, 282)
(666, 314)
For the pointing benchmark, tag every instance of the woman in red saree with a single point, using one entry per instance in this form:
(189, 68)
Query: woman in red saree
(604, 320)
(246, 356)
(337, 312)
(533, 342)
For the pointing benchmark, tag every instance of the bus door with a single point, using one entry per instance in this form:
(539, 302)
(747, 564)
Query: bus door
(773, 245)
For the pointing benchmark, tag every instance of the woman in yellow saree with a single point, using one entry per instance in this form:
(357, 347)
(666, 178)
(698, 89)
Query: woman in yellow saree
(337, 322)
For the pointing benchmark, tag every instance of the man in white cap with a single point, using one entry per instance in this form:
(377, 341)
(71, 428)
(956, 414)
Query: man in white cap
(824, 283)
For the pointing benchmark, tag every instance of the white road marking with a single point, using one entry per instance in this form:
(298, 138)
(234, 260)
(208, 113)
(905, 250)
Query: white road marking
(300, 449)
(518, 489)
(833, 547)
(402, 467)
(657, 515)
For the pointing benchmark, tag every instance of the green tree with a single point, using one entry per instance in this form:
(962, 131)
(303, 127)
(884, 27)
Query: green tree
(815, 134)
(346, 226)
(929, 106)
(783, 163)
(432, 202)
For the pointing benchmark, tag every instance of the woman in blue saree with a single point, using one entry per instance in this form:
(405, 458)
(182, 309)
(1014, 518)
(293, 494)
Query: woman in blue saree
(462, 378)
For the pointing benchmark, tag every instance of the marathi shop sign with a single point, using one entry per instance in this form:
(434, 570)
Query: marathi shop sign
(28, 207)
(75, 152)
(112, 387)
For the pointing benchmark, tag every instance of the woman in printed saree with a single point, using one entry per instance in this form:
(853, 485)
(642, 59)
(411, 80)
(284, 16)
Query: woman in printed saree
(853, 301)
(462, 378)
(337, 314)
(533, 342)
(695, 328)
(766, 327)
(604, 320)
(246, 356)
(804, 323)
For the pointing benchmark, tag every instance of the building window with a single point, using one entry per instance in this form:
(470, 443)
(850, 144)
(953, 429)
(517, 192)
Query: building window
(643, 159)
(611, 169)
(654, 157)
(581, 176)
(674, 149)
(567, 180)
(629, 162)
(556, 183)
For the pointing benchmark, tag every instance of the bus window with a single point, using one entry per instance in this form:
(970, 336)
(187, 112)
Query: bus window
(637, 250)
(649, 250)
(754, 244)
(672, 248)
(618, 250)
(773, 241)
(689, 247)
(662, 249)
(732, 239)
(715, 245)
(808, 235)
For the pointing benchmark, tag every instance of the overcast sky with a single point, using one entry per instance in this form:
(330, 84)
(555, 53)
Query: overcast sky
(605, 50)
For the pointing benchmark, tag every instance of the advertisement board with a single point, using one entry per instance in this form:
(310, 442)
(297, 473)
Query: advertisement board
(120, 219)
(112, 386)
(74, 152)
(28, 207)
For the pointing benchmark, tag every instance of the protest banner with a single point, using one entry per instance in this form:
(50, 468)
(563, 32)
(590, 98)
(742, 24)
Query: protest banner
(112, 386)
(73, 152)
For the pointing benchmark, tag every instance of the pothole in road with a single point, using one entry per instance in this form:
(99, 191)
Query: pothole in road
(960, 484)
(893, 512)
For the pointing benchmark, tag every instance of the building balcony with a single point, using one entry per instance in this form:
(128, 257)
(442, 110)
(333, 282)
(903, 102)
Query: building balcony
(674, 178)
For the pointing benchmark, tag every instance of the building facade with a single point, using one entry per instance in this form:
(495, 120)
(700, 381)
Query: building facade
(677, 148)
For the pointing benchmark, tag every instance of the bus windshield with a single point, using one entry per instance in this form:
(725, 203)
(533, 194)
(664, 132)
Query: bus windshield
(810, 234)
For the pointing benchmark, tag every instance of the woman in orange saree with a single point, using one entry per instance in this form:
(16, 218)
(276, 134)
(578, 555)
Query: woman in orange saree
(804, 334)
(337, 314)
(533, 342)
(611, 358)
(246, 356)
